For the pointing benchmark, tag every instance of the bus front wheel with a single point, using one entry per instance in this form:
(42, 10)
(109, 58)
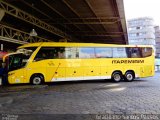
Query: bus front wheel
(37, 79)
(116, 76)
(129, 76)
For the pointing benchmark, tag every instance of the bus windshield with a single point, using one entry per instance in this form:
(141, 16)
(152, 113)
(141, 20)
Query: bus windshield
(19, 59)
(16, 61)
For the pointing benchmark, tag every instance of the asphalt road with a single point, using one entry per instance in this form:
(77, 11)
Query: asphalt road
(82, 99)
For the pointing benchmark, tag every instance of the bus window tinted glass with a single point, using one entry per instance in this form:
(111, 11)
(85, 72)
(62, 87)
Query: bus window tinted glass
(146, 52)
(119, 53)
(103, 52)
(17, 61)
(71, 53)
(86, 53)
(50, 53)
(134, 52)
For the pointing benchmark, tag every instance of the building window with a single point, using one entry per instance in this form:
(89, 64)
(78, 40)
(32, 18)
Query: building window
(137, 28)
(137, 34)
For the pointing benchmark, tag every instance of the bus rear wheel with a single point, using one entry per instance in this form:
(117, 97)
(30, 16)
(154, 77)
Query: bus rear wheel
(129, 76)
(116, 76)
(37, 79)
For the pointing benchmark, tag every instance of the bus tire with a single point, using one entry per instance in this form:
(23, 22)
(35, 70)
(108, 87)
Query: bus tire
(129, 76)
(117, 76)
(37, 79)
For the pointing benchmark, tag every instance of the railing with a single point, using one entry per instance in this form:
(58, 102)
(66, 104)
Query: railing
(157, 67)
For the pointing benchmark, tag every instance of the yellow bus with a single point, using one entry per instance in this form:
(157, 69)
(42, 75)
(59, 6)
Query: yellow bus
(37, 63)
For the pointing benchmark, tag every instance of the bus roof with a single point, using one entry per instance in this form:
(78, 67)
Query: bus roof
(69, 44)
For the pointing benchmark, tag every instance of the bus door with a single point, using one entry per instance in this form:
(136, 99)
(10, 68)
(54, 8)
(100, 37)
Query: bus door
(55, 70)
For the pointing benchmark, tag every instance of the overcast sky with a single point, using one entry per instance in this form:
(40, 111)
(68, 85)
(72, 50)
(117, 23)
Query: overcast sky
(143, 8)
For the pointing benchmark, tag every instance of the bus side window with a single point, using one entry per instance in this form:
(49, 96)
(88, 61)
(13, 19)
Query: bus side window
(119, 52)
(103, 52)
(134, 52)
(128, 51)
(57, 53)
(71, 52)
(146, 52)
(54, 54)
(86, 52)
(61, 53)
(43, 53)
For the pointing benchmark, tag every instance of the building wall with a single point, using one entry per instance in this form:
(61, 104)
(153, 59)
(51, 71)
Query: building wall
(157, 39)
(141, 31)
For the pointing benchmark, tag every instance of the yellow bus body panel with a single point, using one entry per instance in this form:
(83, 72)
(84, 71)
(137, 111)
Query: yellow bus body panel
(79, 69)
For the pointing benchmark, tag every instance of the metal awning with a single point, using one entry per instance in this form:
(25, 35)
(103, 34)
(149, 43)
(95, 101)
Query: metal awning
(95, 21)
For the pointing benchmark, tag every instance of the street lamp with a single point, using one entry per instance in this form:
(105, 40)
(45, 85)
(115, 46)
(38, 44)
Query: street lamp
(33, 32)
